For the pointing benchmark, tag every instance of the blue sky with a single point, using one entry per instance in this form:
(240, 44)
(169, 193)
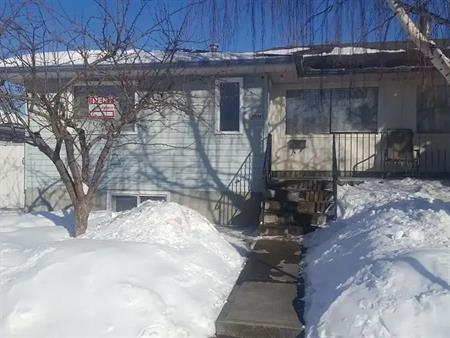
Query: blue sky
(247, 28)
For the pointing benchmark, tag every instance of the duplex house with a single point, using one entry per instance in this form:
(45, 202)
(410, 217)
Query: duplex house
(345, 111)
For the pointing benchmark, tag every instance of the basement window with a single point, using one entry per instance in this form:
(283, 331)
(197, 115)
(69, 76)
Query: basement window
(122, 202)
(229, 105)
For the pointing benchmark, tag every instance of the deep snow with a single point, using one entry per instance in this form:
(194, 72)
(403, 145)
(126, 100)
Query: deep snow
(161, 270)
(383, 268)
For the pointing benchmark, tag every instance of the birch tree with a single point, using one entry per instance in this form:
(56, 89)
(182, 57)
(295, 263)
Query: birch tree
(423, 42)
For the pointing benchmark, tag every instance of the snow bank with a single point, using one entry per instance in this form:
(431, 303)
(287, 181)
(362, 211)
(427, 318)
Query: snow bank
(382, 269)
(160, 270)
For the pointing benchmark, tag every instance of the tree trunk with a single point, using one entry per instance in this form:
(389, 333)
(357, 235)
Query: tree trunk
(82, 211)
(423, 43)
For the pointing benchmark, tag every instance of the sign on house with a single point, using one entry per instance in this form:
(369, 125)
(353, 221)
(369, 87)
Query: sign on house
(102, 106)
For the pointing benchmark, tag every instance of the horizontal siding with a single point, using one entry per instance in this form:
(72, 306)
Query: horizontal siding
(178, 151)
(189, 154)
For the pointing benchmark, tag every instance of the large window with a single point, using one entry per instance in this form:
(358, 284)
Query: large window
(228, 100)
(433, 109)
(335, 110)
(307, 111)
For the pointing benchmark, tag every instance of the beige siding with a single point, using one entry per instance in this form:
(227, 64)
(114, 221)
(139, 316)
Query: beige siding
(396, 109)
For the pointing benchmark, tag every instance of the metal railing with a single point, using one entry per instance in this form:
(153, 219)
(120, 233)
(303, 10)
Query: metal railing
(357, 153)
(433, 157)
(334, 178)
(267, 166)
(364, 154)
(236, 192)
(267, 173)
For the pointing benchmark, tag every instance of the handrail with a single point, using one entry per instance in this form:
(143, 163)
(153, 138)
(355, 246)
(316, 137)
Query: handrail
(335, 175)
(267, 173)
(362, 161)
(234, 179)
(239, 186)
(267, 166)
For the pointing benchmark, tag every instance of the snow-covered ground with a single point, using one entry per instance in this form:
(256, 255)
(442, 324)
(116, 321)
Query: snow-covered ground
(383, 268)
(160, 270)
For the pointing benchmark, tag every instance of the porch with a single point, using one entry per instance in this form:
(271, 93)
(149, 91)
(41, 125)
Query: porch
(389, 153)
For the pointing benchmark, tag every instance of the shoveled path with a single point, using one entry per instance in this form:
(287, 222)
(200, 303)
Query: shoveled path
(265, 300)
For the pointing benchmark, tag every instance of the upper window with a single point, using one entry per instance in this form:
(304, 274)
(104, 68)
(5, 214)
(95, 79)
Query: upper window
(335, 110)
(228, 100)
(433, 109)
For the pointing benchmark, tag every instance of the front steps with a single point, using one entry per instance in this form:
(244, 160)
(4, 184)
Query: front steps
(292, 206)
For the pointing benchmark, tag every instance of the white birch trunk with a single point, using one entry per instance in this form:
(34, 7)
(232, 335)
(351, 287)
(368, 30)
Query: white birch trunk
(425, 45)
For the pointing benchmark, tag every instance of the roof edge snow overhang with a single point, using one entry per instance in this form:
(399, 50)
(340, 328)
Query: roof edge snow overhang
(278, 64)
(380, 62)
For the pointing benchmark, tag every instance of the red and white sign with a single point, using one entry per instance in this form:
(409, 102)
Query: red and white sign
(102, 107)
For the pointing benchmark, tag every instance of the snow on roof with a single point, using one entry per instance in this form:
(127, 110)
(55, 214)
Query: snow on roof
(63, 58)
(67, 58)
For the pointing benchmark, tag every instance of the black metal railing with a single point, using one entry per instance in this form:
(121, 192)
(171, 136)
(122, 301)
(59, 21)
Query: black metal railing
(334, 178)
(364, 154)
(267, 174)
(357, 153)
(267, 165)
(433, 155)
(236, 192)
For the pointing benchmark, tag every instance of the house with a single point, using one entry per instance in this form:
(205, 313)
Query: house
(12, 146)
(343, 111)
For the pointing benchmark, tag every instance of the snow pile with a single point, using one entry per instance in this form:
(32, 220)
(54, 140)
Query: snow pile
(168, 224)
(382, 269)
(160, 270)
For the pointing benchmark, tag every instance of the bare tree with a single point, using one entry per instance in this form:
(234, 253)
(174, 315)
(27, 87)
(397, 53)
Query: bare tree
(84, 83)
(312, 22)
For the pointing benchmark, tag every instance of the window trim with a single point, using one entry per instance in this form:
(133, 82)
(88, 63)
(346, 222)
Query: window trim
(135, 124)
(217, 83)
(136, 193)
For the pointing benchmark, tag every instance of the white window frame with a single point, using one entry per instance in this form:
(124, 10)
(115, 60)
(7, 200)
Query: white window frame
(135, 124)
(218, 81)
(111, 193)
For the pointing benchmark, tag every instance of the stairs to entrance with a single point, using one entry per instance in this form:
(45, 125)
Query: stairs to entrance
(293, 206)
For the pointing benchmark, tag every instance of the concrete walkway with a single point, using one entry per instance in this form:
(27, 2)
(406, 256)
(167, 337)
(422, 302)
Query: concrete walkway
(265, 300)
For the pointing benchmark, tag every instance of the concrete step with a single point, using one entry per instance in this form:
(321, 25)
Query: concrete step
(260, 310)
(266, 300)
(297, 196)
(276, 207)
(301, 184)
(276, 229)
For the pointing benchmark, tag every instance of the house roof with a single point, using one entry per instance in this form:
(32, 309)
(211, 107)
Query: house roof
(307, 59)
(11, 132)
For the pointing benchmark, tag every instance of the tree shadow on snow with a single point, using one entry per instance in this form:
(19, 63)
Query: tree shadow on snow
(65, 219)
